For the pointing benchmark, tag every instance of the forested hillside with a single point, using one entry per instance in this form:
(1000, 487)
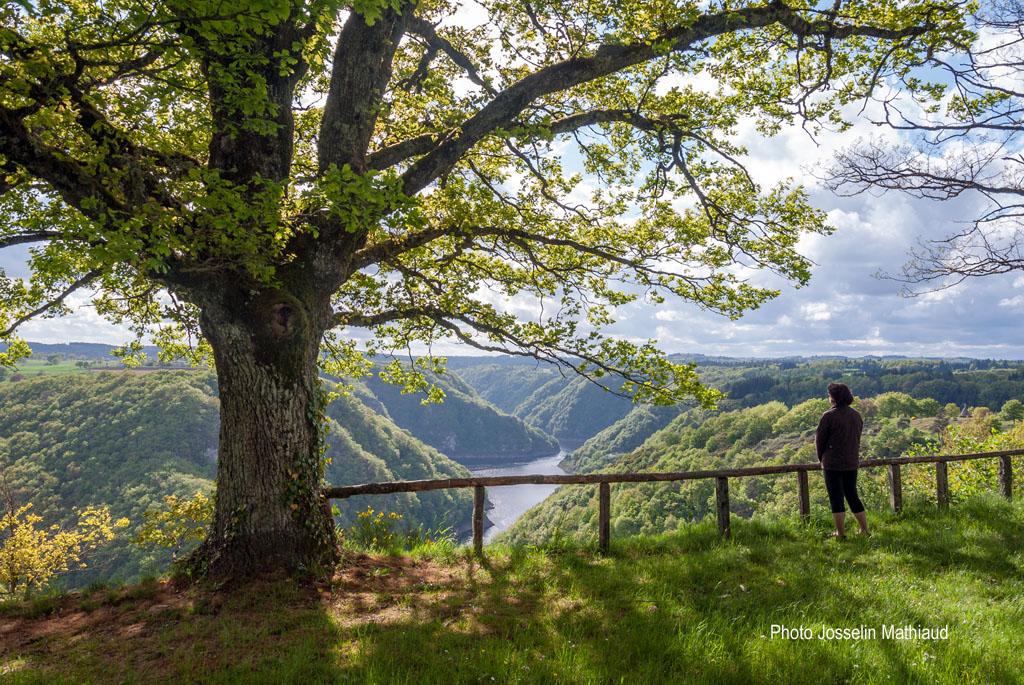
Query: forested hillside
(770, 433)
(568, 407)
(624, 435)
(975, 382)
(128, 439)
(577, 411)
(506, 386)
(465, 426)
(572, 409)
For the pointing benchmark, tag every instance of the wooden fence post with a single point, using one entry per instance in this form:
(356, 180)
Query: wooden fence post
(805, 497)
(722, 505)
(478, 520)
(604, 518)
(1006, 477)
(941, 483)
(895, 488)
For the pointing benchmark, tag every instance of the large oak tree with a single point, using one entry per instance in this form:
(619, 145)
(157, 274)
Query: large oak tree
(258, 179)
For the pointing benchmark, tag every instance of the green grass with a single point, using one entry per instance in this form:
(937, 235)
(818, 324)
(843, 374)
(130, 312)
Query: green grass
(684, 607)
(40, 367)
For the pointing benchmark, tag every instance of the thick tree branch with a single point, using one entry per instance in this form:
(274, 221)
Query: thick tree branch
(77, 186)
(98, 127)
(426, 30)
(361, 71)
(610, 58)
(36, 237)
(420, 145)
(399, 152)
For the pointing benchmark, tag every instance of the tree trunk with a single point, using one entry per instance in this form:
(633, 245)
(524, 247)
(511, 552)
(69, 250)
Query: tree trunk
(269, 513)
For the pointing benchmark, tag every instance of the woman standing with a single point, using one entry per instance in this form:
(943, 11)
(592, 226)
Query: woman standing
(838, 444)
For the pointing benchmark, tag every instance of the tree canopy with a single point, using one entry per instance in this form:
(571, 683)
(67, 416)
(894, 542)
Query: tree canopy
(150, 147)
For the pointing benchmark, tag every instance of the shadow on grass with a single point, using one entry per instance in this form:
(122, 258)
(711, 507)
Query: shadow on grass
(691, 608)
(684, 607)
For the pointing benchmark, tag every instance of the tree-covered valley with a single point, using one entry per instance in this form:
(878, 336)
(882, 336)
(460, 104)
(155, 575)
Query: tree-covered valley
(129, 439)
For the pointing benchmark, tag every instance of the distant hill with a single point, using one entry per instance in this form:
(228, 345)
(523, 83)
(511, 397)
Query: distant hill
(78, 350)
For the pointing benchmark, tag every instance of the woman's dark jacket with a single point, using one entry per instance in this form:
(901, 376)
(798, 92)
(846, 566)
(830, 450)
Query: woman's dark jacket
(838, 439)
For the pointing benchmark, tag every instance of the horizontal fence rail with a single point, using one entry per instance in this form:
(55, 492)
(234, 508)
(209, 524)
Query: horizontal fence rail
(720, 476)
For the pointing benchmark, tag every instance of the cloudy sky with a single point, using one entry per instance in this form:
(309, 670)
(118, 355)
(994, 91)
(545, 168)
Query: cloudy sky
(846, 308)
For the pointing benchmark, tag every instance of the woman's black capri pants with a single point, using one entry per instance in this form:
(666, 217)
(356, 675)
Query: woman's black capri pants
(841, 484)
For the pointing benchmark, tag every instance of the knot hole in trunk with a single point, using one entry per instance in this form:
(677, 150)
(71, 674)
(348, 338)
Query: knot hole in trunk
(282, 319)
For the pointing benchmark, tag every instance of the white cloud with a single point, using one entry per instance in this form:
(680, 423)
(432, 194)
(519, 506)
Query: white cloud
(469, 15)
(1012, 302)
(816, 311)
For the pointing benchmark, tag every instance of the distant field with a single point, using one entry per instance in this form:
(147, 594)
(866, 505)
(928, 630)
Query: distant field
(680, 608)
(40, 367)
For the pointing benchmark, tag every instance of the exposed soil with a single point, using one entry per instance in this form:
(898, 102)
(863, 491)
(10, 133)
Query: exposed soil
(132, 627)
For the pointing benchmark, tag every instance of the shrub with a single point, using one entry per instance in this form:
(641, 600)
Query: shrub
(31, 556)
(968, 477)
(178, 526)
(379, 531)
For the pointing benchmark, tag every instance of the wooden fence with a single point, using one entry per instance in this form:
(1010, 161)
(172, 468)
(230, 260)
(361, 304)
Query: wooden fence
(721, 477)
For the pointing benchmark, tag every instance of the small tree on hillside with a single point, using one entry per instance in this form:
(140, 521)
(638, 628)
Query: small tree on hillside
(1013, 410)
(271, 176)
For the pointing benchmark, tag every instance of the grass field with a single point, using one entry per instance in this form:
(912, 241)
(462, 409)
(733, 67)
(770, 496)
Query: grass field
(40, 367)
(37, 367)
(684, 607)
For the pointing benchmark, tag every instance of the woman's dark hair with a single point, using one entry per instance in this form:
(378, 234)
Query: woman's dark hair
(840, 392)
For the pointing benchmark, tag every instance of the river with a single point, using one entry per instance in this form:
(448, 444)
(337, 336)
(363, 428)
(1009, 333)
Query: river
(511, 501)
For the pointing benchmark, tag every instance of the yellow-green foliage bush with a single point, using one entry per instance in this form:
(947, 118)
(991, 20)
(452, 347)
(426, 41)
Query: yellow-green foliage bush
(178, 526)
(381, 531)
(966, 478)
(375, 530)
(31, 557)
